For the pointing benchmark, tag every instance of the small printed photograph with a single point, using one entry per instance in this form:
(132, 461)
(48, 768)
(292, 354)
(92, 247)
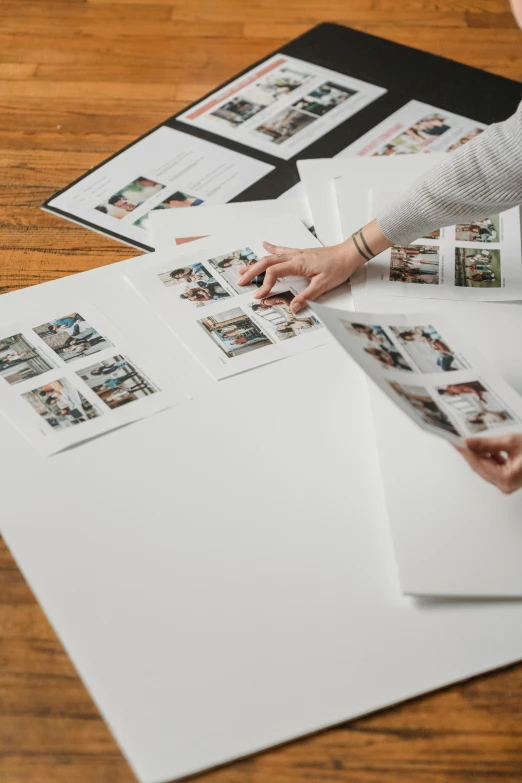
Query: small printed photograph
(278, 319)
(474, 406)
(71, 337)
(237, 110)
(117, 381)
(197, 284)
(285, 125)
(128, 198)
(235, 332)
(175, 201)
(486, 230)
(426, 348)
(20, 361)
(417, 137)
(415, 264)
(424, 406)
(282, 83)
(228, 266)
(477, 268)
(61, 405)
(378, 345)
(463, 139)
(324, 98)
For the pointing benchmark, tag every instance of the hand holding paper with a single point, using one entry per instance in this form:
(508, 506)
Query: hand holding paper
(497, 460)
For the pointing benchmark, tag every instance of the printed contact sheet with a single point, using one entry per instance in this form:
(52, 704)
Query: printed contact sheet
(430, 371)
(221, 322)
(73, 375)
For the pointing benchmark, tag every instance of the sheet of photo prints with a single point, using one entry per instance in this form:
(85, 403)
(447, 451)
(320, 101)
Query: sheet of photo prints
(166, 170)
(282, 105)
(71, 374)
(479, 261)
(425, 365)
(199, 297)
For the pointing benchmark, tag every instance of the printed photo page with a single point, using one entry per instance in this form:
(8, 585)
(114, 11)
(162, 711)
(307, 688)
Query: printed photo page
(67, 376)
(282, 106)
(430, 370)
(415, 127)
(166, 170)
(225, 327)
(477, 261)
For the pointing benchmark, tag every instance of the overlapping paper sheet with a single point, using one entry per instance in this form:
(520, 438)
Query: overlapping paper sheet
(282, 105)
(430, 370)
(70, 374)
(199, 297)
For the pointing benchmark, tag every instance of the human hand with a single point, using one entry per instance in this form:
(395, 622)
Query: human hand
(497, 460)
(324, 267)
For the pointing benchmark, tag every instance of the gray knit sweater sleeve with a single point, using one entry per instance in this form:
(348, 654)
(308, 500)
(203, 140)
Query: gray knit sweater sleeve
(478, 179)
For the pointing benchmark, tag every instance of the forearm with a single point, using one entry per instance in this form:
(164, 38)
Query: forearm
(480, 178)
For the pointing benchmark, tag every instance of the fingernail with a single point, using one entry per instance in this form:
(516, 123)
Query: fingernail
(257, 295)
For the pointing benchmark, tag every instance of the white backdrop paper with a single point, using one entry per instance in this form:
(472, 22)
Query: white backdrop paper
(222, 574)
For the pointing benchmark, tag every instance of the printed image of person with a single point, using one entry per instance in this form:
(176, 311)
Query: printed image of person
(179, 199)
(72, 337)
(189, 274)
(131, 196)
(205, 291)
(388, 357)
(428, 336)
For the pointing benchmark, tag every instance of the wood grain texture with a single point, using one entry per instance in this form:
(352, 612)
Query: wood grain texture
(78, 80)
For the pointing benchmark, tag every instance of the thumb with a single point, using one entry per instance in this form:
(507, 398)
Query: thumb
(490, 445)
(314, 290)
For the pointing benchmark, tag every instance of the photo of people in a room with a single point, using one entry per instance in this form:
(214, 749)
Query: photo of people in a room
(486, 230)
(477, 268)
(117, 381)
(324, 98)
(378, 345)
(475, 406)
(228, 266)
(71, 337)
(415, 264)
(235, 333)
(424, 406)
(61, 404)
(464, 139)
(20, 361)
(282, 82)
(131, 196)
(285, 125)
(278, 319)
(427, 349)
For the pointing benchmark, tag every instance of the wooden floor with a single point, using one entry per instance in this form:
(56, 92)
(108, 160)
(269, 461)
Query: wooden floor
(78, 80)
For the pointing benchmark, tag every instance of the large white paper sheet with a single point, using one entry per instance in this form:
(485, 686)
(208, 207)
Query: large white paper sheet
(479, 261)
(425, 365)
(167, 169)
(282, 105)
(219, 602)
(220, 322)
(69, 374)
(170, 225)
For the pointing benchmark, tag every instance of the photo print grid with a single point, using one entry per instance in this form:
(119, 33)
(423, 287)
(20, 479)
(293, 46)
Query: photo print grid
(71, 337)
(201, 283)
(117, 381)
(410, 348)
(20, 360)
(61, 405)
(128, 198)
(424, 132)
